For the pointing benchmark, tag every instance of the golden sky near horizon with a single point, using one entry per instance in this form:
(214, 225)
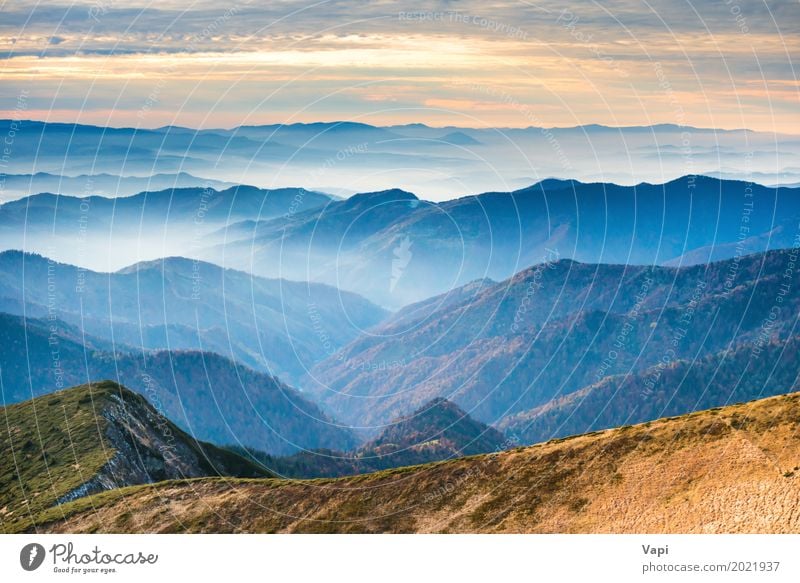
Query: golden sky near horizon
(500, 64)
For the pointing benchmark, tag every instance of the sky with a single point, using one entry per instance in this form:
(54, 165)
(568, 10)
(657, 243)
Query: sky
(721, 64)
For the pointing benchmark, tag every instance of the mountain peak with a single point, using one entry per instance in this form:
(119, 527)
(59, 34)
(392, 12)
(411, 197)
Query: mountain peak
(438, 424)
(164, 264)
(556, 184)
(391, 195)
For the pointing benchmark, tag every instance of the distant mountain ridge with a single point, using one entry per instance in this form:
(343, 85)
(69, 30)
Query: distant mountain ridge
(346, 125)
(355, 243)
(108, 185)
(439, 163)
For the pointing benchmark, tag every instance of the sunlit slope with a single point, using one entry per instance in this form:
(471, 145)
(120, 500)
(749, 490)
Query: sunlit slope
(733, 469)
(92, 438)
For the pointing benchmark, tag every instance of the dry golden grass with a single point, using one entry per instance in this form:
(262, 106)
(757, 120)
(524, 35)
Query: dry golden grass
(735, 469)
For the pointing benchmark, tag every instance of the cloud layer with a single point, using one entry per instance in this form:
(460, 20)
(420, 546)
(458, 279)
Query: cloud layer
(722, 64)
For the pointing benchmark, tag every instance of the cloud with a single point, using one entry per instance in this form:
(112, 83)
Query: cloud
(335, 59)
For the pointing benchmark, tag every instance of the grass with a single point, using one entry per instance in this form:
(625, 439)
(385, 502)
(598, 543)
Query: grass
(88, 503)
(55, 443)
(554, 483)
(50, 446)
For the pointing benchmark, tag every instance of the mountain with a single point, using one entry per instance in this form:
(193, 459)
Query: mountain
(170, 206)
(100, 233)
(730, 470)
(209, 396)
(321, 136)
(438, 425)
(438, 431)
(108, 185)
(93, 438)
(276, 326)
(559, 327)
(396, 249)
(438, 163)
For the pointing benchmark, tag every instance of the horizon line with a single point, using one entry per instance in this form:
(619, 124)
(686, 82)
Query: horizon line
(402, 125)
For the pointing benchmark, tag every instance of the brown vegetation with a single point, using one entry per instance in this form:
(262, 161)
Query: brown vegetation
(718, 471)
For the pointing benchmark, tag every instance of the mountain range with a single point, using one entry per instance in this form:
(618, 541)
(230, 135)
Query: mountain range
(664, 390)
(396, 249)
(103, 233)
(277, 326)
(439, 163)
(617, 342)
(560, 348)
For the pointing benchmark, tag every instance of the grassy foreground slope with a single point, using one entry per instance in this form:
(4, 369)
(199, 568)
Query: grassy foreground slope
(735, 469)
(92, 438)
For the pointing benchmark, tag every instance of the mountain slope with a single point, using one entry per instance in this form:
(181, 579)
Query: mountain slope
(93, 438)
(207, 395)
(557, 328)
(740, 374)
(731, 470)
(278, 326)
